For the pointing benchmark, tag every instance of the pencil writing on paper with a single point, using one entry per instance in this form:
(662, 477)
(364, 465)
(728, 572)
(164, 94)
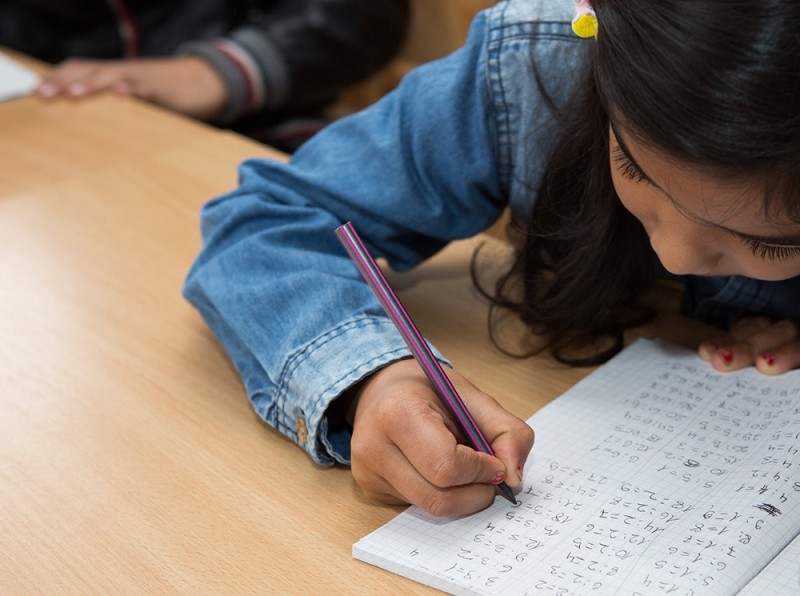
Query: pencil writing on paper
(682, 479)
(444, 389)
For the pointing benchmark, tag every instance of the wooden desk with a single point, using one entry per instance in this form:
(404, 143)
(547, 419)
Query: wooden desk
(130, 461)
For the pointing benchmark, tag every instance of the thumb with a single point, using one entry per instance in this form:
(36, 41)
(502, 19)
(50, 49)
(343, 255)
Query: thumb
(512, 447)
(510, 437)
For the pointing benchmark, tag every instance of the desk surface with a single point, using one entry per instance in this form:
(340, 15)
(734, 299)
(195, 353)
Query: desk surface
(130, 460)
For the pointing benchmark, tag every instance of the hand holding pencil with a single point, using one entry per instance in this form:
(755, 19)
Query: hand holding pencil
(422, 435)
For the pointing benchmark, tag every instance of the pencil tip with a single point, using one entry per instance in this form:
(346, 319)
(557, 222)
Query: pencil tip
(507, 492)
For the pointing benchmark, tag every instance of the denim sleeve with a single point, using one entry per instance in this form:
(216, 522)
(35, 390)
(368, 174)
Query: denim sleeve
(412, 172)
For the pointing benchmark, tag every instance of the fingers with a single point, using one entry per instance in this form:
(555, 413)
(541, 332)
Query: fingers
(79, 78)
(405, 447)
(421, 433)
(399, 482)
(780, 359)
(185, 84)
(511, 438)
(774, 348)
(446, 462)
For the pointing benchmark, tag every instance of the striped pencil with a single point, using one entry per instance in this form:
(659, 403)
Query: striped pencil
(374, 277)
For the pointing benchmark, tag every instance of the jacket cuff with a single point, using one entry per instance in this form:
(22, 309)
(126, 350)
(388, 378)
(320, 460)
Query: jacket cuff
(322, 371)
(254, 72)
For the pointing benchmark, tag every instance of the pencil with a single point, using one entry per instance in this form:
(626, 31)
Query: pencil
(441, 384)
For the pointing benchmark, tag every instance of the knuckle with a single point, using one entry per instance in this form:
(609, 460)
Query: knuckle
(527, 434)
(759, 320)
(359, 475)
(443, 472)
(391, 406)
(741, 323)
(756, 321)
(372, 493)
(366, 480)
(359, 448)
(747, 326)
(437, 503)
(787, 328)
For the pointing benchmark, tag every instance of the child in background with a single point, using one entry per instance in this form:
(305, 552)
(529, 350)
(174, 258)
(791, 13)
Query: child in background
(667, 142)
(268, 68)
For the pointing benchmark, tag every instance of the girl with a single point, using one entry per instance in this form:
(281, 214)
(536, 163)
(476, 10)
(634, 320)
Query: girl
(669, 144)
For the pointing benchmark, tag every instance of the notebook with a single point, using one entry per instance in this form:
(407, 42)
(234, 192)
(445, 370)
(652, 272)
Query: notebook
(653, 475)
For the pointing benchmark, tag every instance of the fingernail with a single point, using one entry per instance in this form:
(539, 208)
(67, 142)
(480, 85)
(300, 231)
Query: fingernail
(498, 478)
(46, 90)
(769, 359)
(727, 356)
(519, 469)
(77, 89)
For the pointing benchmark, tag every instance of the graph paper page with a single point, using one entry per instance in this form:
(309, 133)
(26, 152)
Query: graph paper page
(781, 576)
(653, 475)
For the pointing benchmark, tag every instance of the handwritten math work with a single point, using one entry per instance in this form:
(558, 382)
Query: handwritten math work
(654, 475)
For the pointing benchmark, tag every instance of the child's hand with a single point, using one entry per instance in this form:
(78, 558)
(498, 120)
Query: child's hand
(406, 449)
(774, 348)
(185, 84)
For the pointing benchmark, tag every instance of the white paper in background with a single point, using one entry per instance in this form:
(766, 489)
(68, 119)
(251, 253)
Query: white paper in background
(15, 80)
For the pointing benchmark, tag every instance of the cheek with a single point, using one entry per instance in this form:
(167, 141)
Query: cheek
(694, 248)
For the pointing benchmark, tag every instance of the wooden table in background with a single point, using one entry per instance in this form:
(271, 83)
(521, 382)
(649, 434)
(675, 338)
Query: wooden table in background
(130, 461)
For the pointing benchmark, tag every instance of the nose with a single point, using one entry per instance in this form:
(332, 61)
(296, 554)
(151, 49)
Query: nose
(685, 249)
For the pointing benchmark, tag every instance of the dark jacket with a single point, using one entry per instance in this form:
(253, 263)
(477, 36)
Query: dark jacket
(285, 56)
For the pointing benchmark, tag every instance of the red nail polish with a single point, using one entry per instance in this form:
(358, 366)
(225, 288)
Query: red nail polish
(498, 478)
(727, 356)
(519, 470)
(769, 359)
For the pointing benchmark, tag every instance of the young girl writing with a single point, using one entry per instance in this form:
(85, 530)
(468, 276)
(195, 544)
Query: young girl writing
(665, 142)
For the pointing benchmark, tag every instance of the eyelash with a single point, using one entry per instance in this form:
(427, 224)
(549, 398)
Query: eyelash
(770, 252)
(628, 169)
(767, 252)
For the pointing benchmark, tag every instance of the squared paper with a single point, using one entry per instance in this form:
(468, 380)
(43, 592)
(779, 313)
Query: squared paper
(653, 475)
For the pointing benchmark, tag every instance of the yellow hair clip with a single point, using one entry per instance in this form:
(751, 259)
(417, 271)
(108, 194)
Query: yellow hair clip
(585, 22)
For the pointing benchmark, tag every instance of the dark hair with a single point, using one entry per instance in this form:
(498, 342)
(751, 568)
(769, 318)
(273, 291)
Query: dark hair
(712, 83)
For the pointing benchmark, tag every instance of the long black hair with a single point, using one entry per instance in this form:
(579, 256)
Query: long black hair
(711, 83)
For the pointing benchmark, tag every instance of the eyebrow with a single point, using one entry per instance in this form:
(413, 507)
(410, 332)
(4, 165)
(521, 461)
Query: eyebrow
(782, 241)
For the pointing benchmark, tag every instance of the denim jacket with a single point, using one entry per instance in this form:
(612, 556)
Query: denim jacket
(436, 160)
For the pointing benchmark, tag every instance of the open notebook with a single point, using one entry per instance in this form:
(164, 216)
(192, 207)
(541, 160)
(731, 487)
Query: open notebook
(653, 475)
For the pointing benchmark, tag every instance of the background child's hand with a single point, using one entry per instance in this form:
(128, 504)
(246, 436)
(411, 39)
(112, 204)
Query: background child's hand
(406, 449)
(185, 84)
(774, 348)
